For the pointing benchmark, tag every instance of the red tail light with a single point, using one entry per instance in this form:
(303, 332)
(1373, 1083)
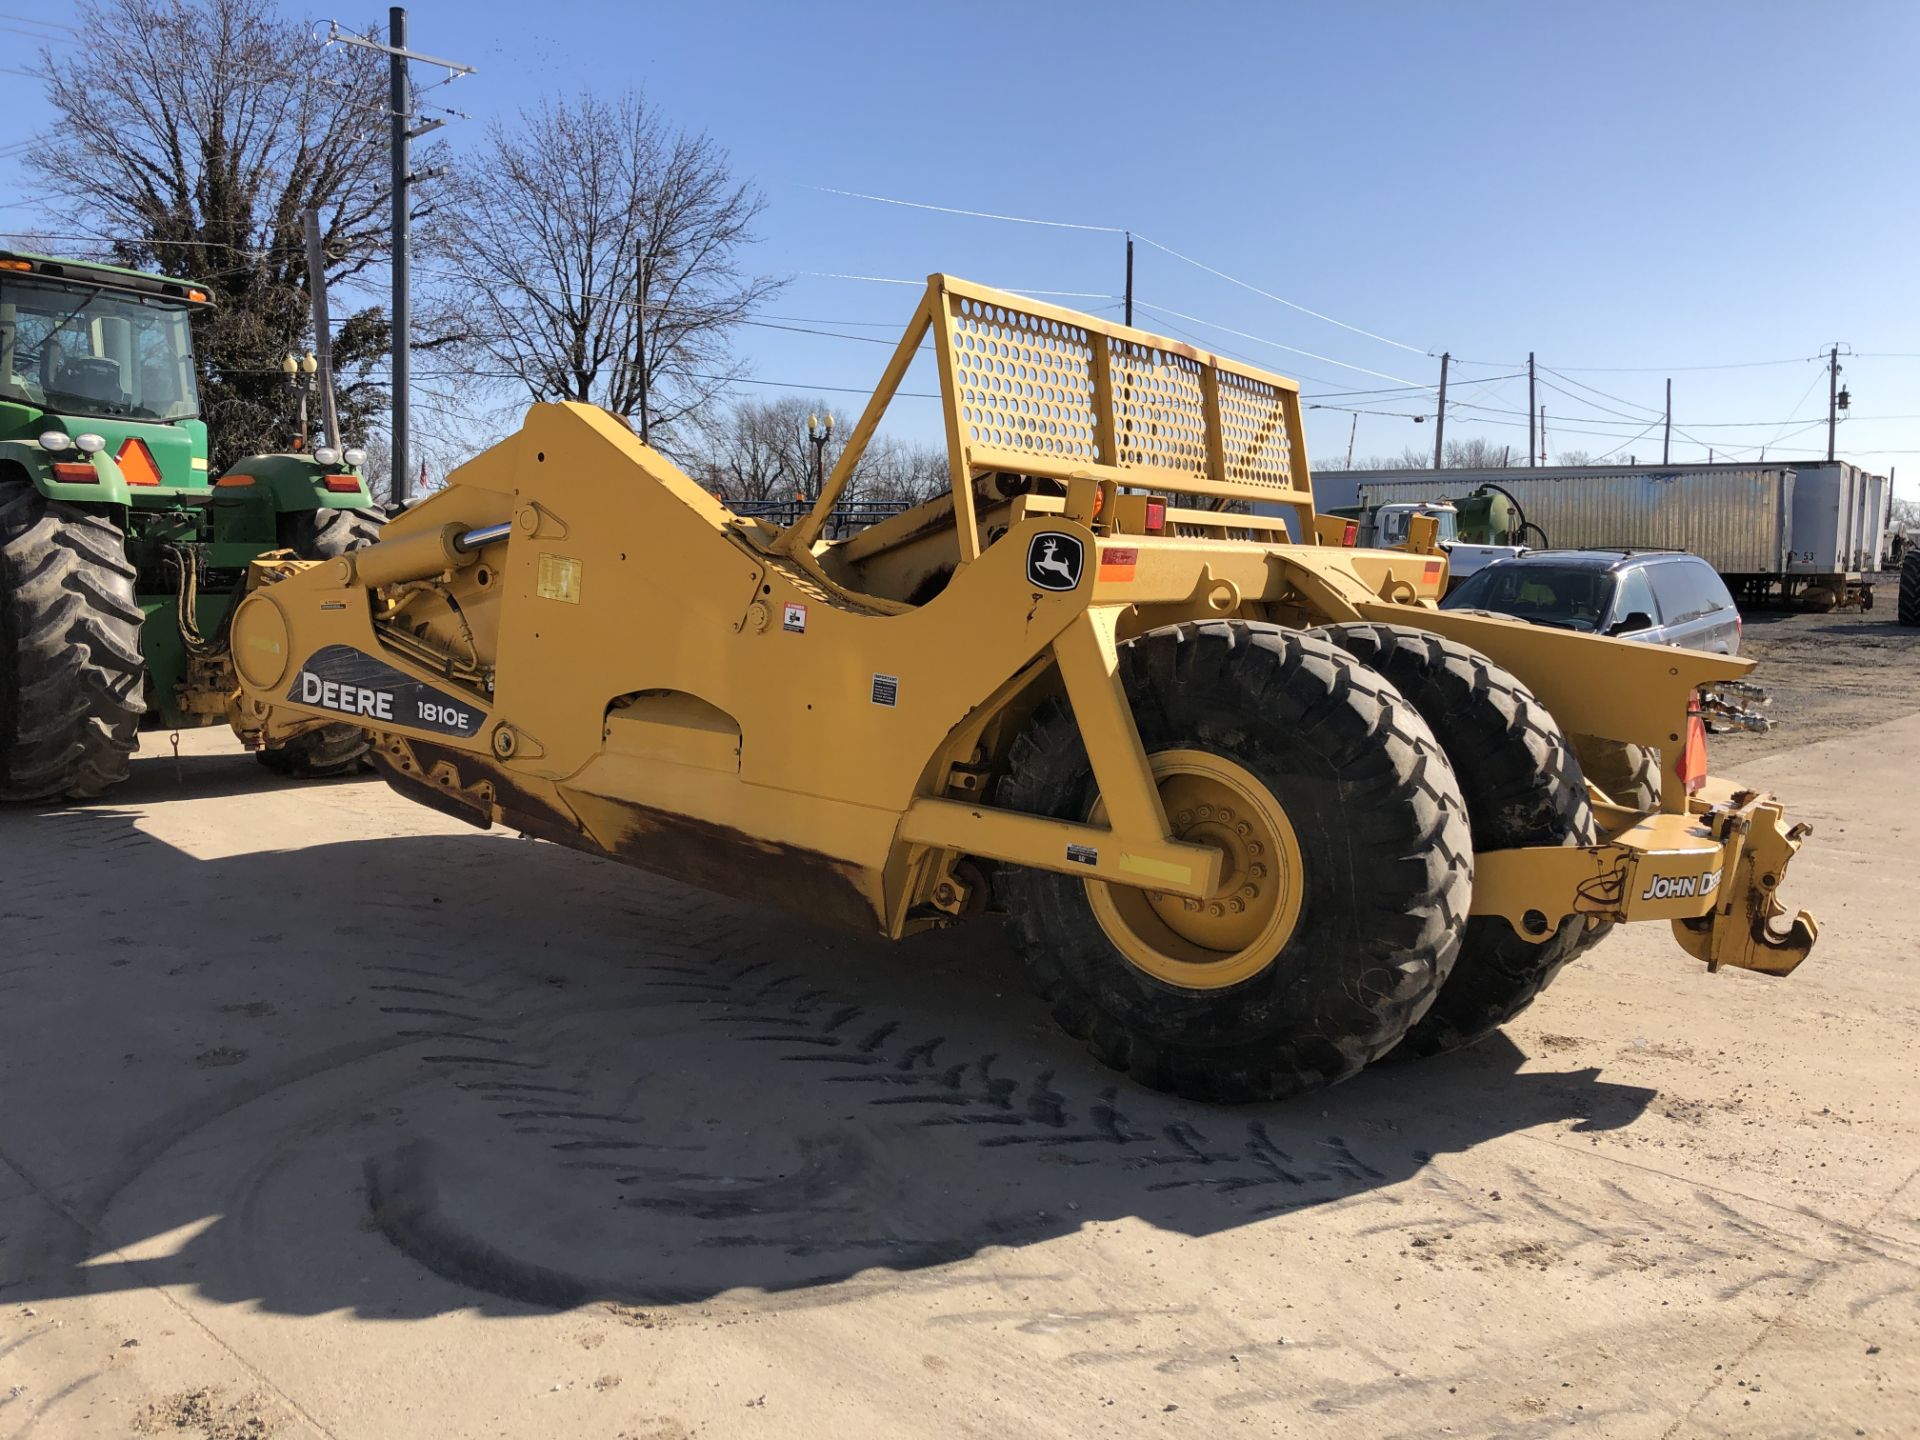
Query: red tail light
(1350, 535)
(1156, 516)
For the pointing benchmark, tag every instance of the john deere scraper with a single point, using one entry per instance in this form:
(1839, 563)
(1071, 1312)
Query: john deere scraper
(1255, 810)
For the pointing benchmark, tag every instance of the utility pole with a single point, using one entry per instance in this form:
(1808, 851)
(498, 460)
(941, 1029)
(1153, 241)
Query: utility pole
(322, 325)
(644, 281)
(1666, 437)
(404, 133)
(1129, 277)
(1833, 397)
(1440, 419)
(1530, 403)
(1352, 435)
(1543, 434)
(400, 106)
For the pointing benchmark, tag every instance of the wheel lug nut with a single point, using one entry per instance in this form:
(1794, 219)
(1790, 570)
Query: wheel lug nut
(1183, 819)
(1256, 872)
(1236, 905)
(1243, 829)
(1216, 910)
(1249, 891)
(1205, 812)
(1191, 904)
(1254, 847)
(1226, 815)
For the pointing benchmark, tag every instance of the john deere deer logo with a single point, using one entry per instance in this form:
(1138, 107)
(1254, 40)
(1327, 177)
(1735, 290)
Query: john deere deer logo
(1053, 562)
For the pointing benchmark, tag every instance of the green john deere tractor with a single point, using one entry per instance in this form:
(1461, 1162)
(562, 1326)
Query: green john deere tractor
(121, 557)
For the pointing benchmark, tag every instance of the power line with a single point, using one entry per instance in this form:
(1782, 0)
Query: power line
(1624, 443)
(1143, 239)
(1263, 340)
(974, 214)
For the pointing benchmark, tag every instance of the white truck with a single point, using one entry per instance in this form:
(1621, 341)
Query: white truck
(1385, 527)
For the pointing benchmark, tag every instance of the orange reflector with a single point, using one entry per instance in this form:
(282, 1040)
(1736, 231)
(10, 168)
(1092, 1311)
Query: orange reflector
(75, 472)
(1430, 571)
(198, 295)
(136, 463)
(1117, 563)
(344, 484)
(16, 265)
(1691, 767)
(227, 481)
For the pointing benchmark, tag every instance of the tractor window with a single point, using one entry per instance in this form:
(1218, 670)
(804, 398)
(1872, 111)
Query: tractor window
(80, 351)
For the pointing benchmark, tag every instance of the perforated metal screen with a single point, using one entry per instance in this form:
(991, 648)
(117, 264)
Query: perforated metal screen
(1023, 383)
(1039, 386)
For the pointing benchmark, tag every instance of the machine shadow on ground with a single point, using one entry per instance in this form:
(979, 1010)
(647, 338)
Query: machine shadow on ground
(401, 1076)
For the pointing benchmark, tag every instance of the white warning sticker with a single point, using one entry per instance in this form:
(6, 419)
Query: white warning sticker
(793, 619)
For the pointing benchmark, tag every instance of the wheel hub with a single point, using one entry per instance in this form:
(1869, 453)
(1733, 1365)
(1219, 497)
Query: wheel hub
(1236, 931)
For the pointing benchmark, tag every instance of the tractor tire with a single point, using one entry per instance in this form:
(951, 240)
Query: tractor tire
(331, 750)
(1628, 775)
(1523, 787)
(71, 674)
(324, 534)
(1910, 586)
(321, 754)
(1345, 829)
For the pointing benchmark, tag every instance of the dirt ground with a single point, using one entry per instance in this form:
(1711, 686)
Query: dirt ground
(1829, 674)
(324, 1115)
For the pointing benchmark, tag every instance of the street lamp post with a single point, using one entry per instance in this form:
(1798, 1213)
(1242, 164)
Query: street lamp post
(300, 371)
(818, 433)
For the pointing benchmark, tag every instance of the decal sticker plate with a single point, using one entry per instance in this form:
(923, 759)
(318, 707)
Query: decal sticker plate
(353, 683)
(1054, 561)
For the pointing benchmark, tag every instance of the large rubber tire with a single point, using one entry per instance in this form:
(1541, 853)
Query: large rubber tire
(321, 754)
(1628, 775)
(70, 666)
(1910, 586)
(324, 534)
(1383, 883)
(1522, 786)
(331, 750)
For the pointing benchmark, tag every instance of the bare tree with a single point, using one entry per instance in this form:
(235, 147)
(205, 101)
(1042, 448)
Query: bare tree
(1574, 457)
(1408, 459)
(904, 472)
(1472, 453)
(596, 254)
(192, 135)
(758, 450)
(1476, 454)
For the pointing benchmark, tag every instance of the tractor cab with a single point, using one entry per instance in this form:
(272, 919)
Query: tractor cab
(96, 370)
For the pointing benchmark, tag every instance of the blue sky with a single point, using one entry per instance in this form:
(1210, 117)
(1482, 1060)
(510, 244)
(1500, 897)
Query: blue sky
(1629, 190)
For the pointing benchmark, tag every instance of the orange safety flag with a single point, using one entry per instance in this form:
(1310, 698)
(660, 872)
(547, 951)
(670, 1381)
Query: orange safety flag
(1691, 767)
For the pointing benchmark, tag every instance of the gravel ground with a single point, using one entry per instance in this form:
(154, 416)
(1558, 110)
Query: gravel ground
(1828, 675)
(326, 1117)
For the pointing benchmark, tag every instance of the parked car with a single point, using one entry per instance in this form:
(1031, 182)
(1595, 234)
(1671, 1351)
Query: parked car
(1664, 597)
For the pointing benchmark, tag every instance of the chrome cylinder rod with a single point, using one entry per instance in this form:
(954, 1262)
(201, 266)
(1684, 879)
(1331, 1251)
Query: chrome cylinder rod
(485, 535)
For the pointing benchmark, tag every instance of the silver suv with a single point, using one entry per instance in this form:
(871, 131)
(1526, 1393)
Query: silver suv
(1664, 597)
